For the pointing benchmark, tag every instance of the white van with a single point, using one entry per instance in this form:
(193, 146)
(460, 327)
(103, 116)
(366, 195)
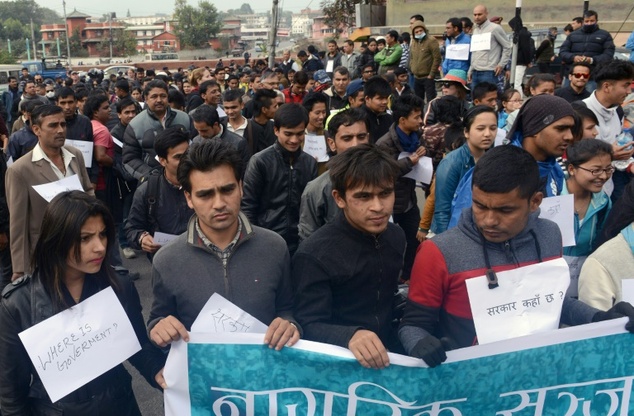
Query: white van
(5, 72)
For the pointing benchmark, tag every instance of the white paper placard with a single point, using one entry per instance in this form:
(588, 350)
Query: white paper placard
(329, 66)
(316, 147)
(86, 149)
(219, 315)
(49, 190)
(81, 343)
(561, 210)
(458, 51)
(163, 238)
(481, 42)
(221, 112)
(527, 301)
(117, 142)
(499, 137)
(422, 171)
(627, 290)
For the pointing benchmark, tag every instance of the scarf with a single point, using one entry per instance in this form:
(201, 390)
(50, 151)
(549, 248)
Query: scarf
(408, 143)
(628, 234)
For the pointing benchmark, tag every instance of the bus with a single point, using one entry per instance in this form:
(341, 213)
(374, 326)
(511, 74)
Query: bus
(161, 56)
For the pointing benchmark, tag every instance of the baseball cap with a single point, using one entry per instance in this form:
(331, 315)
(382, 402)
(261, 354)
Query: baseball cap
(321, 76)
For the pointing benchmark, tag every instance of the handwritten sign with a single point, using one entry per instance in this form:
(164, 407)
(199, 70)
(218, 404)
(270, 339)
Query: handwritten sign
(316, 147)
(561, 210)
(81, 343)
(49, 190)
(86, 149)
(575, 263)
(481, 42)
(422, 171)
(458, 52)
(163, 238)
(219, 315)
(527, 301)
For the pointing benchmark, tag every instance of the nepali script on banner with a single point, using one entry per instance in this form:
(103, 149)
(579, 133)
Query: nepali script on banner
(585, 370)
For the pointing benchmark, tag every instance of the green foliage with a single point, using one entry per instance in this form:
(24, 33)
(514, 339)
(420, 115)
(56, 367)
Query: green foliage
(15, 19)
(76, 48)
(14, 30)
(6, 57)
(123, 44)
(196, 25)
(339, 13)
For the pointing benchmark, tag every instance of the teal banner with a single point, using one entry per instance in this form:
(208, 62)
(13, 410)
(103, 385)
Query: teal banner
(575, 371)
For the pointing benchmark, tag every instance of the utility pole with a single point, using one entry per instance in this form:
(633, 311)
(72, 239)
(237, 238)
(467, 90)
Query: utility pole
(111, 16)
(273, 34)
(586, 6)
(33, 38)
(70, 64)
(518, 27)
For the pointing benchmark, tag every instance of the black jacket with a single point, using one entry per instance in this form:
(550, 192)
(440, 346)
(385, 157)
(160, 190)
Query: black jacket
(405, 190)
(379, 123)
(169, 214)
(236, 141)
(22, 142)
(80, 128)
(21, 390)
(345, 280)
(596, 44)
(365, 58)
(273, 185)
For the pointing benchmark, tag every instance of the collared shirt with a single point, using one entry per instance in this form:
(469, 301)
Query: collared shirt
(240, 130)
(223, 255)
(38, 154)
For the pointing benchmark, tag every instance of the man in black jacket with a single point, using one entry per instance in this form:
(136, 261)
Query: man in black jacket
(159, 203)
(588, 44)
(525, 51)
(276, 177)
(376, 93)
(346, 273)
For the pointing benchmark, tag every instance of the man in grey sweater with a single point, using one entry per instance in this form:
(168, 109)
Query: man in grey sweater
(490, 49)
(221, 252)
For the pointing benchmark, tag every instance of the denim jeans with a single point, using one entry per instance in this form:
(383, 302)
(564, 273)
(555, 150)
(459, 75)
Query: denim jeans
(478, 77)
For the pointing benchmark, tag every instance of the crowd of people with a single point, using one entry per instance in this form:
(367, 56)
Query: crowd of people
(287, 191)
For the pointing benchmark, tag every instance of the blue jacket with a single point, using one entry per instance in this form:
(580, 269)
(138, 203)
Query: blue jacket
(630, 45)
(22, 142)
(449, 173)
(448, 64)
(590, 228)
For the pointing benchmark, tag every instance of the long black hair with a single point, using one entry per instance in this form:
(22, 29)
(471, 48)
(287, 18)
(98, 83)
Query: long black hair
(621, 215)
(60, 238)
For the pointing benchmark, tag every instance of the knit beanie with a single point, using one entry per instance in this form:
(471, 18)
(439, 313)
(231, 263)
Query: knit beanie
(539, 112)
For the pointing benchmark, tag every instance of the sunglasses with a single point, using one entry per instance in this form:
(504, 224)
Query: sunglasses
(578, 75)
(448, 84)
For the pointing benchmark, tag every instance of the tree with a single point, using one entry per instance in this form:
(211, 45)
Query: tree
(340, 14)
(14, 30)
(123, 44)
(76, 48)
(196, 25)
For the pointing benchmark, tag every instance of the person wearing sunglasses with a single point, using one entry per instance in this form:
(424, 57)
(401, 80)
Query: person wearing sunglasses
(576, 91)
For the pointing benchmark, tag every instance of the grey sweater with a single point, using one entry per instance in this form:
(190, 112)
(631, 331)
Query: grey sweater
(256, 277)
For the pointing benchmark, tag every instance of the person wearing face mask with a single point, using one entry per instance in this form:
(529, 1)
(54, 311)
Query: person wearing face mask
(590, 44)
(424, 61)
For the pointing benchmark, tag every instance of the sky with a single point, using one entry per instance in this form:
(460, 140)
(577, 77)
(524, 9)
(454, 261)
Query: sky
(151, 7)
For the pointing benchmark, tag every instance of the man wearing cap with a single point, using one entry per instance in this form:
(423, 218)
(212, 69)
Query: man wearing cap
(322, 80)
(455, 36)
(74, 75)
(425, 59)
(354, 99)
(495, 49)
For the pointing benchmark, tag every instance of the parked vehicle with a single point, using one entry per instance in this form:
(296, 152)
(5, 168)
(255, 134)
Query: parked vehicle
(47, 67)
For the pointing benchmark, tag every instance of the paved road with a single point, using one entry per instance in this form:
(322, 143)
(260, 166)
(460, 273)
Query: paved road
(150, 400)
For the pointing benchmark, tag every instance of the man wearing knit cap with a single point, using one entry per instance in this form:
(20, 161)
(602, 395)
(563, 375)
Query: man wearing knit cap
(500, 231)
(490, 49)
(542, 128)
(424, 61)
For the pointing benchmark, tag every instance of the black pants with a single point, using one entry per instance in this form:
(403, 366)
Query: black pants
(425, 88)
(408, 221)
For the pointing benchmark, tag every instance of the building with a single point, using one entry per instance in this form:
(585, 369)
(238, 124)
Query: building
(302, 22)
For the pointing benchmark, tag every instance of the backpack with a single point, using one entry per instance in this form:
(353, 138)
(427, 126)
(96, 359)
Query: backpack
(152, 195)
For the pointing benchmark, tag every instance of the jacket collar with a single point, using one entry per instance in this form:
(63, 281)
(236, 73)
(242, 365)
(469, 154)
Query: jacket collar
(343, 222)
(195, 240)
(288, 157)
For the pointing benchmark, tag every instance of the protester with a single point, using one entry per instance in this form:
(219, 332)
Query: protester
(376, 92)
(220, 252)
(70, 265)
(350, 303)
(503, 218)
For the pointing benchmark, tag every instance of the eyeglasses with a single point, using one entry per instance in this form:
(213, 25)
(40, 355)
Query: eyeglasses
(578, 75)
(448, 84)
(596, 172)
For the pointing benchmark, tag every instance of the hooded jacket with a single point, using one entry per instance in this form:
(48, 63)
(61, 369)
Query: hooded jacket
(438, 302)
(424, 54)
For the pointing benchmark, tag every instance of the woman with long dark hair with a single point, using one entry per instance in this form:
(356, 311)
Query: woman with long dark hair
(70, 265)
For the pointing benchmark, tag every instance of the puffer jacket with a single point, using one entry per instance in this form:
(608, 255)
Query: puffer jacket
(25, 303)
(273, 185)
(596, 44)
(139, 156)
(405, 189)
